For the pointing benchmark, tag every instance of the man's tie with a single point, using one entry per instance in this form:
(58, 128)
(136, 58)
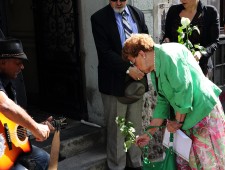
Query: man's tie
(126, 26)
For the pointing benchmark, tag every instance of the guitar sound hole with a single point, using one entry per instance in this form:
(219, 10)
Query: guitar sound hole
(22, 133)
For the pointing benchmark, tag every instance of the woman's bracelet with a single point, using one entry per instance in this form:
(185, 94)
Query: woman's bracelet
(149, 134)
(179, 122)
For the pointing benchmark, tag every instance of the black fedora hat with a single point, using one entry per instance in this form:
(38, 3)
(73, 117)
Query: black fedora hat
(11, 48)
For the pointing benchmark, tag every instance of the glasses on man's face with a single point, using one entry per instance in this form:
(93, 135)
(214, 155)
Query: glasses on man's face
(133, 62)
(117, 0)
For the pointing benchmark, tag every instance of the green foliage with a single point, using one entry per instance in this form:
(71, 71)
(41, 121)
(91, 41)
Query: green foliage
(127, 130)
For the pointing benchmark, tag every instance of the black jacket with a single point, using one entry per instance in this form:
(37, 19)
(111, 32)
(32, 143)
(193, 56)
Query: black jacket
(111, 67)
(209, 36)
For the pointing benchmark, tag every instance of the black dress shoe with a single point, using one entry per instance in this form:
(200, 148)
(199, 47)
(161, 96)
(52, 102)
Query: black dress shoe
(137, 168)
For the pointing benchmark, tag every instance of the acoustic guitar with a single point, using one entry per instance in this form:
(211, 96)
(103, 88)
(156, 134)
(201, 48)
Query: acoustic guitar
(14, 140)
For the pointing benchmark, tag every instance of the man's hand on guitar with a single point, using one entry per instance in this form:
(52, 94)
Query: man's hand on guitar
(48, 122)
(42, 132)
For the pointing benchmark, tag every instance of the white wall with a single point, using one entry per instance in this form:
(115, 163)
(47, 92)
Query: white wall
(89, 55)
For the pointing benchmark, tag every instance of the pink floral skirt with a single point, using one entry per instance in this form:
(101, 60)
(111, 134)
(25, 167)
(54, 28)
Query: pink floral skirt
(208, 147)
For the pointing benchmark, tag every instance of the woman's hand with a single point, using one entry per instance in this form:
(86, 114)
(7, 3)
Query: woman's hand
(197, 55)
(142, 140)
(173, 126)
(145, 138)
(135, 73)
(166, 40)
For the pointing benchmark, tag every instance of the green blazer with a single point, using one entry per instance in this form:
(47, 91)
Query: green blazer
(182, 85)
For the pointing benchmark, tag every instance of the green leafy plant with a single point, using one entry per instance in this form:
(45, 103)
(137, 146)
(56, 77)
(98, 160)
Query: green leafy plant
(127, 130)
(184, 32)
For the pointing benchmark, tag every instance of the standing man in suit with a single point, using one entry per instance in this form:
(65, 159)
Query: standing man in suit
(113, 75)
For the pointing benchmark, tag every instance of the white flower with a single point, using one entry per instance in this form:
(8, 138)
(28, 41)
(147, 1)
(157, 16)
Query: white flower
(131, 129)
(184, 32)
(185, 22)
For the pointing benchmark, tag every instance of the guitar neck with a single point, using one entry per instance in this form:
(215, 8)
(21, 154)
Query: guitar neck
(57, 124)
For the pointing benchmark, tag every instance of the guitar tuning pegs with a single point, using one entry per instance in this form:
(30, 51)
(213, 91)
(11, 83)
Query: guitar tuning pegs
(59, 123)
(62, 119)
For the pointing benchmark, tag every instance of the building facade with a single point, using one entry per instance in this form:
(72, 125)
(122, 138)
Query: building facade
(61, 76)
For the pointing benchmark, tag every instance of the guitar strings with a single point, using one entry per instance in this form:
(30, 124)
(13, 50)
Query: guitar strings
(14, 136)
(20, 133)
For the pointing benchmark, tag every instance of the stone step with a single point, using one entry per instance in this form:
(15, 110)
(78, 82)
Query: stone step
(92, 159)
(76, 138)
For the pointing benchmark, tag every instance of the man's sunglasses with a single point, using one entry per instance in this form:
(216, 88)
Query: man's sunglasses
(117, 0)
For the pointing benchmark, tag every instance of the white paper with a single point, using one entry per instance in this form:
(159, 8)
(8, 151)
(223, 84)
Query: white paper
(181, 143)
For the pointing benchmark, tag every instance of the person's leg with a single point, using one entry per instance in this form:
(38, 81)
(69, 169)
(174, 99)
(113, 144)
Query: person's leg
(116, 157)
(217, 135)
(38, 159)
(18, 167)
(41, 158)
(134, 115)
(208, 141)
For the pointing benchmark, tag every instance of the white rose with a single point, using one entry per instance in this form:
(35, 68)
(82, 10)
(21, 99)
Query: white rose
(185, 22)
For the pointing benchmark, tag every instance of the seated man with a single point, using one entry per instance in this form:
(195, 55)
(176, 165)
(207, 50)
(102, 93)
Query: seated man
(11, 64)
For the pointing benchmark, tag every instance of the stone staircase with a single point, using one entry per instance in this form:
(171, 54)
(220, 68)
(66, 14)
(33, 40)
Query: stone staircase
(82, 147)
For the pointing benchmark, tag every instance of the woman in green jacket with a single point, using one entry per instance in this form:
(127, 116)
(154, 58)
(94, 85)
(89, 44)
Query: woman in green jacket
(180, 82)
